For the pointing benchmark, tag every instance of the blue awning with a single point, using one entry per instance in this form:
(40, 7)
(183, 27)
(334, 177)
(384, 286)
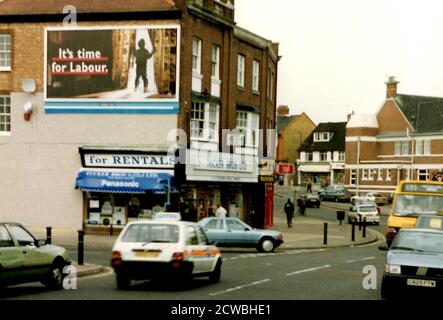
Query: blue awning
(124, 181)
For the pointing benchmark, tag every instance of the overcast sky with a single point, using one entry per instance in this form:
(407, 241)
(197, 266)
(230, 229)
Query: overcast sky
(337, 55)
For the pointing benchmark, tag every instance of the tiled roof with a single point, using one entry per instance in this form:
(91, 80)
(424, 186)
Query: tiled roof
(425, 114)
(283, 121)
(336, 143)
(36, 7)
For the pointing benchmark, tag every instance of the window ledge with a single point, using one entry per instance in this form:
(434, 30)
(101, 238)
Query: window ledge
(5, 134)
(197, 75)
(5, 69)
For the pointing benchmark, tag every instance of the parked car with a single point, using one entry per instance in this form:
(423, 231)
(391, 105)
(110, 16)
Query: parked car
(164, 248)
(24, 259)
(414, 261)
(334, 193)
(232, 232)
(367, 210)
(373, 197)
(429, 222)
(311, 200)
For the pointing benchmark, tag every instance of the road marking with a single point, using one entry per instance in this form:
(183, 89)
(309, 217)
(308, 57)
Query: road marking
(239, 287)
(362, 259)
(308, 270)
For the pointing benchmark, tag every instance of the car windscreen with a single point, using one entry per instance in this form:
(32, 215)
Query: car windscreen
(147, 233)
(411, 204)
(367, 209)
(419, 241)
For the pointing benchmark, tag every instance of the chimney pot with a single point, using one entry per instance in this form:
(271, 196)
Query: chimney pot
(391, 87)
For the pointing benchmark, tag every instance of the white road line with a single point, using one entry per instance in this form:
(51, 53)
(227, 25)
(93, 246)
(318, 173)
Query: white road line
(239, 287)
(362, 259)
(308, 270)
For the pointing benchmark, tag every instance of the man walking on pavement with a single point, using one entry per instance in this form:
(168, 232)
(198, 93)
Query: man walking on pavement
(220, 212)
(289, 210)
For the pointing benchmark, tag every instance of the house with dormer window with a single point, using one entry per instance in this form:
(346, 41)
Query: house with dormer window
(322, 155)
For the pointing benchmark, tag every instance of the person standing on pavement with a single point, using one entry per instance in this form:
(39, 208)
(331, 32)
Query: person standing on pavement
(289, 210)
(309, 186)
(220, 212)
(301, 202)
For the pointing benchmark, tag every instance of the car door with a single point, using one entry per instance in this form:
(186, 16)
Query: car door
(237, 233)
(36, 261)
(11, 258)
(216, 231)
(197, 253)
(208, 261)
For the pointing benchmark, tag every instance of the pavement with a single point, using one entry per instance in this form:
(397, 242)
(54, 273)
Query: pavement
(306, 233)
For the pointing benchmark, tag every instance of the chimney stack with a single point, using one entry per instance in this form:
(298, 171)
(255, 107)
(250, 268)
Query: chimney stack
(282, 111)
(391, 88)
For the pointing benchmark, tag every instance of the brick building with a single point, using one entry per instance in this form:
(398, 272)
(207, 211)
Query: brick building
(291, 132)
(89, 112)
(403, 140)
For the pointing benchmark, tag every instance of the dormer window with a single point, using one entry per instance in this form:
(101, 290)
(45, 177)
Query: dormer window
(322, 136)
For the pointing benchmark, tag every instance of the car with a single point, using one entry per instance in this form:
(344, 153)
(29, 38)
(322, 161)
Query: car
(430, 222)
(365, 210)
(24, 259)
(335, 193)
(373, 197)
(311, 200)
(233, 232)
(164, 249)
(414, 261)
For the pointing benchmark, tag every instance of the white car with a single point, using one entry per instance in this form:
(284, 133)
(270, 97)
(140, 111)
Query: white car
(164, 248)
(373, 197)
(367, 211)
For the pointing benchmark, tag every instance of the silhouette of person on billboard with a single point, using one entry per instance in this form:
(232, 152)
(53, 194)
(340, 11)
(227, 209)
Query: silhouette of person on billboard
(141, 59)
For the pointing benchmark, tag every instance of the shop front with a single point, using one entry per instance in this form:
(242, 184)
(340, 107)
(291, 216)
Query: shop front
(230, 180)
(120, 186)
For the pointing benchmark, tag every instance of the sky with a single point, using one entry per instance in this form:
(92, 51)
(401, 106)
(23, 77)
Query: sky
(337, 55)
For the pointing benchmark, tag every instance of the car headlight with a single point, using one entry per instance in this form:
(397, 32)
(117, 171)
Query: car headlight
(392, 268)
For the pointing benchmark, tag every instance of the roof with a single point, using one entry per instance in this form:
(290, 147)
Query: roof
(38, 7)
(425, 114)
(362, 121)
(283, 121)
(336, 143)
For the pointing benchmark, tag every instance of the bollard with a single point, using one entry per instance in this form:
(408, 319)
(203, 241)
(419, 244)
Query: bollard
(353, 232)
(112, 231)
(364, 227)
(325, 233)
(81, 247)
(359, 222)
(48, 235)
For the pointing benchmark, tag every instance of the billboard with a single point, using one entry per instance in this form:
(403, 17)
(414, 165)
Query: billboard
(112, 69)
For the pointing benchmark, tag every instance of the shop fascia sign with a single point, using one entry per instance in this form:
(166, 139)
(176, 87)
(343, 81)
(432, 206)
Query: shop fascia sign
(94, 160)
(227, 162)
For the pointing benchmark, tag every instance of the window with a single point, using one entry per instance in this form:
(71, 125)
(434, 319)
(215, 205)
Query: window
(365, 174)
(204, 121)
(255, 76)
(241, 71)
(341, 156)
(323, 156)
(427, 147)
(5, 114)
(235, 225)
(215, 61)
(215, 224)
(388, 174)
(5, 52)
(192, 238)
(22, 236)
(423, 174)
(353, 177)
(401, 148)
(309, 157)
(5, 238)
(196, 55)
(380, 175)
(270, 84)
(248, 125)
(321, 136)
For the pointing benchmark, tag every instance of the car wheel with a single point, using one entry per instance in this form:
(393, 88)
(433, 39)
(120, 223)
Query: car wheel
(266, 245)
(215, 275)
(123, 281)
(55, 276)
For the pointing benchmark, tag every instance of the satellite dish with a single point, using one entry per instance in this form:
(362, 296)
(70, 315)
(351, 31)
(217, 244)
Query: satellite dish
(28, 85)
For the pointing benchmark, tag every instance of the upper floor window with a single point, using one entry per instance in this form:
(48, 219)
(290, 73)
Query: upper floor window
(5, 114)
(323, 156)
(341, 156)
(215, 62)
(248, 125)
(309, 156)
(204, 121)
(241, 71)
(401, 148)
(271, 77)
(422, 147)
(196, 55)
(255, 76)
(322, 136)
(5, 52)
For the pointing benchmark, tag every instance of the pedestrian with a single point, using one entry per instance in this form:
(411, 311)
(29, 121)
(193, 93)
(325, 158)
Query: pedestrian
(309, 186)
(220, 212)
(301, 202)
(289, 210)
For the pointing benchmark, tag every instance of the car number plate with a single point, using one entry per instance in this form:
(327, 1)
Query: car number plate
(148, 254)
(421, 283)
